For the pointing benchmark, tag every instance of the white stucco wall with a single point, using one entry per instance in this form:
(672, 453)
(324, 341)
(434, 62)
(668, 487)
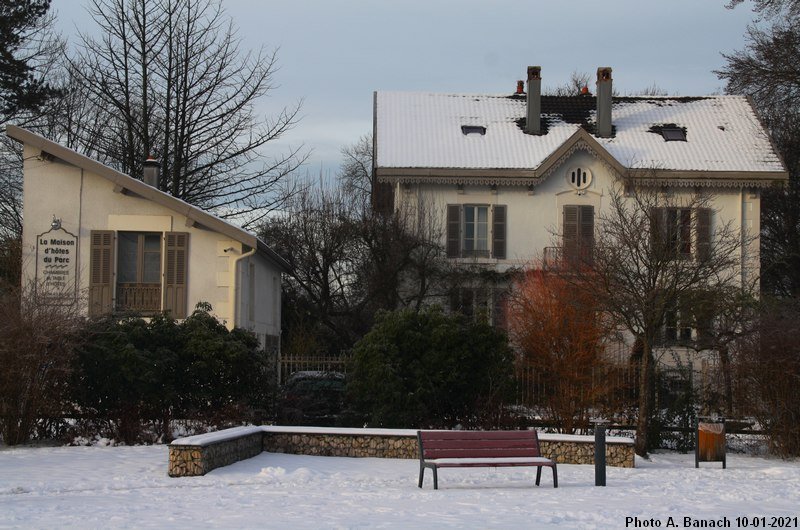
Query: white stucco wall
(534, 218)
(259, 297)
(84, 201)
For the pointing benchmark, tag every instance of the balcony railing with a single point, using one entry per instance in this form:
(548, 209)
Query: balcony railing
(555, 258)
(139, 297)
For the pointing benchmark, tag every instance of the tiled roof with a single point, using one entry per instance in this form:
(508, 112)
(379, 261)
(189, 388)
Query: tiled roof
(423, 130)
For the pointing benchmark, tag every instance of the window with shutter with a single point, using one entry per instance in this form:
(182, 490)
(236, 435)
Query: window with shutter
(101, 263)
(671, 232)
(468, 229)
(175, 265)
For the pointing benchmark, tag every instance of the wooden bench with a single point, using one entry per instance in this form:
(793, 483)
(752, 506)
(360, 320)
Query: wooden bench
(480, 449)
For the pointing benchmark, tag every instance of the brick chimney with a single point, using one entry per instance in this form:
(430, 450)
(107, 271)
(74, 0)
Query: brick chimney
(604, 128)
(533, 121)
(150, 174)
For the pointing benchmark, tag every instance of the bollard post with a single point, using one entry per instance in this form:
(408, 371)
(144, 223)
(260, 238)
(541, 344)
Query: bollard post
(600, 451)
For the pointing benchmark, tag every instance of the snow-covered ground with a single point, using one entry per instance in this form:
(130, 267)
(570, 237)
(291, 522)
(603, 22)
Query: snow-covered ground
(93, 487)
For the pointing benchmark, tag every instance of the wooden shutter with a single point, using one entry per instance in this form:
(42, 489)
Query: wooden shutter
(578, 233)
(703, 233)
(175, 273)
(499, 232)
(570, 233)
(586, 232)
(101, 274)
(657, 231)
(685, 220)
(453, 230)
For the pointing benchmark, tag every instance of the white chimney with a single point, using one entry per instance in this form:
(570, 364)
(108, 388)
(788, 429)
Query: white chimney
(533, 121)
(604, 128)
(151, 172)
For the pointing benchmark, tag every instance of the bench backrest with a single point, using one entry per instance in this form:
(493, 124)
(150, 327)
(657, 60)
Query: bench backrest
(477, 444)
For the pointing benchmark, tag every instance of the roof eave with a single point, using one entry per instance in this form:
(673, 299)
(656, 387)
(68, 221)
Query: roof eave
(193, 214)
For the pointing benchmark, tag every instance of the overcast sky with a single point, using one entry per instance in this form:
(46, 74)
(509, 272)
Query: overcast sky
(334, 54)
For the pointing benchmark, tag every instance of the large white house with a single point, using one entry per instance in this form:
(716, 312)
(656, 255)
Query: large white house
(111, 243)
(503, 173)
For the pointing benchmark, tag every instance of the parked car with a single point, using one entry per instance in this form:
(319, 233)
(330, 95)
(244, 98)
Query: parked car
(312, 398)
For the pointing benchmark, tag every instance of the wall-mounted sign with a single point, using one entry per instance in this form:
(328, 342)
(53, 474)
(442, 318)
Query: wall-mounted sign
(57, 266)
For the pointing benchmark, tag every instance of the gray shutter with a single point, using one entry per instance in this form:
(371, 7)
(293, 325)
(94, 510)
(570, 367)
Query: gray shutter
(175, 273)
(586, 232)
(499, 232)
(685, 220)
(570, 233)
(703, 233)
(101, 277)
(657, 231)
(453, 230)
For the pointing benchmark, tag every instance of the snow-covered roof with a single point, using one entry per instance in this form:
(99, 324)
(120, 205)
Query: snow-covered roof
(424, 130)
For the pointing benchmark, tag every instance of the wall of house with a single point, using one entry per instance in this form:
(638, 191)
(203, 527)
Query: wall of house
(259, 298)
(84, 201)
(534, 217)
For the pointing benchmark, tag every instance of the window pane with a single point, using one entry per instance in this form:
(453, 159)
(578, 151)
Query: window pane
(482, 242)
(126, 264)
(152, 242)
(152, 267)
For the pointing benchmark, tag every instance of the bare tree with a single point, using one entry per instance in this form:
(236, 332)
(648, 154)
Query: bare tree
(36, 341)
(166, 78)
(578, 81)
(767, 71)
(561, 335)
(655, 257)
(356, 174)
(771, 8)
(348, 263)
(769, 375)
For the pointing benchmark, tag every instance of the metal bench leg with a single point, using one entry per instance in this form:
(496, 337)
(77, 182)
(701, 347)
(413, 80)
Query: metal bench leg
(555, 476)
(435, 479)
(538, 474)
(421, 474)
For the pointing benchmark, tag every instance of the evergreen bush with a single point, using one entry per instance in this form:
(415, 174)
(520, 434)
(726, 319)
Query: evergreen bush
(427, 369)
(132, 371)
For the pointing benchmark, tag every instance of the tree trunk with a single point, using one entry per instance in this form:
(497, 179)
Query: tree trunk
(725, 365)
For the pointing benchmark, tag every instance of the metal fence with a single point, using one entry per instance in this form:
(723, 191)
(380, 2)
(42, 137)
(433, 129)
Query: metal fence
(613, 386)
(290, 364)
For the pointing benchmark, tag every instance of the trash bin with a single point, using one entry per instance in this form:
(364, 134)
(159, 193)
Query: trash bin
(710, 442)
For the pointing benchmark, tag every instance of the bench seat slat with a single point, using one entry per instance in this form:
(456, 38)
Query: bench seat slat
(505, 461)
(457, 452)
(472, 435)
(481, 444)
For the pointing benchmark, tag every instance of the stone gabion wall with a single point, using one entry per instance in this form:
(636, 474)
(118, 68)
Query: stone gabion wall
(342, 445)
(196, 460)
(568, 452)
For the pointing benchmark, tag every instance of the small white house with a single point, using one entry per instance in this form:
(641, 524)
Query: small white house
(111, 243)
(503, 173)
